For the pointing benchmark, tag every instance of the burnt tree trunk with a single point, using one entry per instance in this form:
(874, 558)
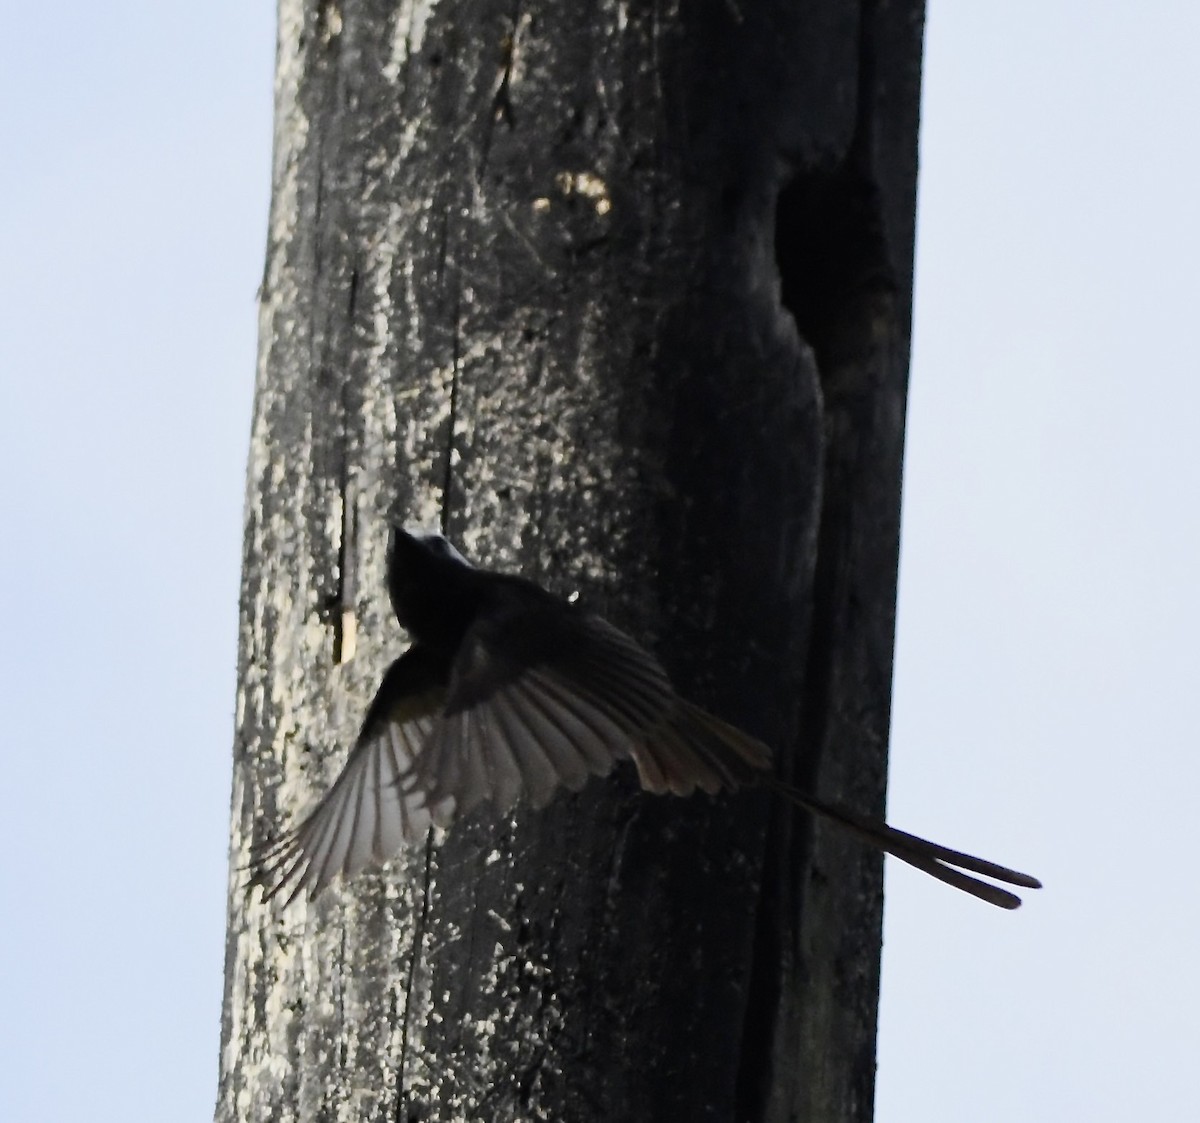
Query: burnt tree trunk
(618, 294)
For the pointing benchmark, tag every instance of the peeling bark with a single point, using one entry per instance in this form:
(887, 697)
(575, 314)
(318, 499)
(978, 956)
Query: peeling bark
(618, 295)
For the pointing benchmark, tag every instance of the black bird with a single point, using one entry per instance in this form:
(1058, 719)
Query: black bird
(510, 692)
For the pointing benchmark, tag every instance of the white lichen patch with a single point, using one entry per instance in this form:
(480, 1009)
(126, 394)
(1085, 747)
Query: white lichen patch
(407, 36)
(331, 26)
(587, 184)
(501, 922)
(515, 50)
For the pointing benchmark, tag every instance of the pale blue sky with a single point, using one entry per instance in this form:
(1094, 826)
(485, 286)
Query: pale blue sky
(1047, 672)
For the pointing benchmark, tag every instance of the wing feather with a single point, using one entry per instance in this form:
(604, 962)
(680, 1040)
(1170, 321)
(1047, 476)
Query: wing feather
(541, 697)
(599, 735)
(557, 742)
(376, 804)
(548, 758)
(507, 773)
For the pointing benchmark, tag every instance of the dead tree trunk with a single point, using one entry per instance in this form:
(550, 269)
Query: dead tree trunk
(618, 294)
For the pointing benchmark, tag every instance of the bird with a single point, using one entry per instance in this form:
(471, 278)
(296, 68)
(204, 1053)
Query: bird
(508, 692)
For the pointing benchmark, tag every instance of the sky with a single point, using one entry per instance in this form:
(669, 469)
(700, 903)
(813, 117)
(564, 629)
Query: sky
(1047, 669)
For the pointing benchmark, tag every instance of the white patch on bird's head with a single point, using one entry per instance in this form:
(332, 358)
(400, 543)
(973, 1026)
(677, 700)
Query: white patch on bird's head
(436, 543)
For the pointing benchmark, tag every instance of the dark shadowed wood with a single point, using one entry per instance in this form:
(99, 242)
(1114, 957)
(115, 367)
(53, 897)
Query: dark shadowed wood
(618, 295)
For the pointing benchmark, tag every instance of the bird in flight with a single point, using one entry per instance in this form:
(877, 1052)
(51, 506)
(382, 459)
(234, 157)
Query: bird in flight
(508, 692)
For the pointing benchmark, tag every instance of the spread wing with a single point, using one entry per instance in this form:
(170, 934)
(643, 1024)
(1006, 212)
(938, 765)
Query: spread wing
(539, 697)
(544, 696)
(377, 804)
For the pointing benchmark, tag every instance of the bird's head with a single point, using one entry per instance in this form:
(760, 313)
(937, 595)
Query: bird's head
(427, 579)
(412, 548)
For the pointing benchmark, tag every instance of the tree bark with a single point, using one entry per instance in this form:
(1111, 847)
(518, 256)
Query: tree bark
(617, 294)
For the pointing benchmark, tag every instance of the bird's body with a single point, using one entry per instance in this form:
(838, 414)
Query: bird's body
(508, 692)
